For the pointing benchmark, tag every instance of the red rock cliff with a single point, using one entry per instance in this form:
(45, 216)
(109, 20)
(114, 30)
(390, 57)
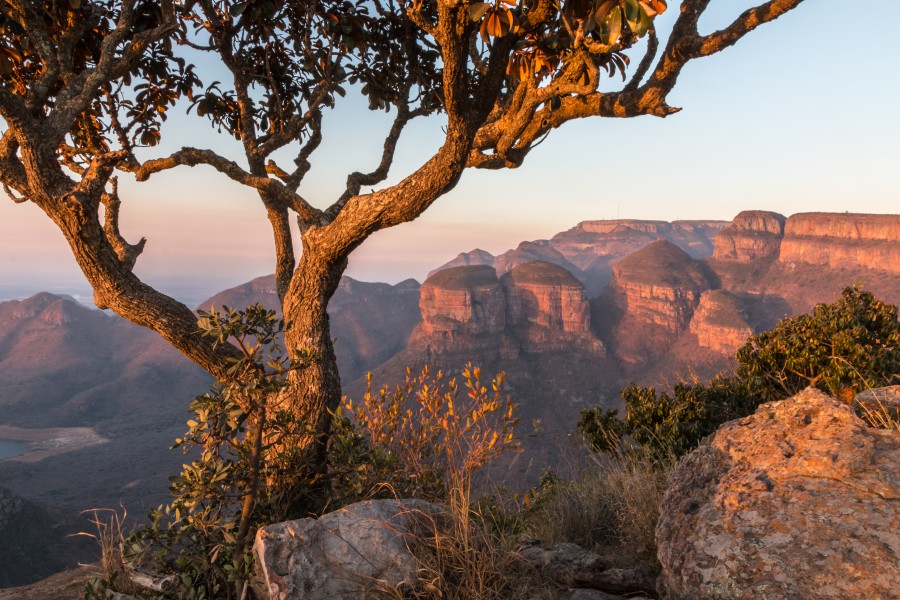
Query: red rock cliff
(752, 235)
(463, 300)
(719, 323)
(843, 240)
(661, 285)
(548, 307)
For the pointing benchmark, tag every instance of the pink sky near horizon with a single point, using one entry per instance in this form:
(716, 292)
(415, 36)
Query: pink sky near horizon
(791, 119)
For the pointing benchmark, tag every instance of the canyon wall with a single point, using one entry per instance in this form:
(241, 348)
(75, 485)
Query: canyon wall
(752, 235)
(843, 240)
(660, 285)
(535, 307)
(837, 240)
(719, 322)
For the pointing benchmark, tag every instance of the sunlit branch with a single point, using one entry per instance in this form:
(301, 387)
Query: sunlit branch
(192, 157)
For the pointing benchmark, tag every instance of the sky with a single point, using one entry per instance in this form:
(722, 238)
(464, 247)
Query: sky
(799, 116)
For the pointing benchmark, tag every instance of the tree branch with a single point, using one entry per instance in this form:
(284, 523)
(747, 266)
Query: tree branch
(127, 253)
(192, 157)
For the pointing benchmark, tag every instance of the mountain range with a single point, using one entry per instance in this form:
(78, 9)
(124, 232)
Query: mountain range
(570, 320)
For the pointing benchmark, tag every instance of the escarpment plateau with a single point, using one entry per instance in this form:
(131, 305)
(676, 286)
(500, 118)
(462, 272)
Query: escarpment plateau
(843, 240)
(835, 240)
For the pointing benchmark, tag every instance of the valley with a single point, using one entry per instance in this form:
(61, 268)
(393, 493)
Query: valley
(570, 320)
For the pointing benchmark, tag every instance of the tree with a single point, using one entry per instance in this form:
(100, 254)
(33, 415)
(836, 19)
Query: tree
(842, 348)
(87, 83)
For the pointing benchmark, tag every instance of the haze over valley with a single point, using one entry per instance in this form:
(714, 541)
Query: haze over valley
(570, 319)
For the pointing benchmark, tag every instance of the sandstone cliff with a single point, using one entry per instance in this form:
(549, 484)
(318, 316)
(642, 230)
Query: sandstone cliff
(660, 285)
(719, 322)
(752, 235)
(843, 240)
(548, 307)
(535, 307)
(589, 249)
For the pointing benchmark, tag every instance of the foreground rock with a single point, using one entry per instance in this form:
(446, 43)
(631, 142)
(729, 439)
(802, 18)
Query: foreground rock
(799, 500)
(343, 554)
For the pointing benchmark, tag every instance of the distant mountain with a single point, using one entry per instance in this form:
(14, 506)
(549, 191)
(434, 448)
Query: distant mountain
(370, 322)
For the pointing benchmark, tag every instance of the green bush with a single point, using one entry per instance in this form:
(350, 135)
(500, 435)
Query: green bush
(841, 348)
(239, 475)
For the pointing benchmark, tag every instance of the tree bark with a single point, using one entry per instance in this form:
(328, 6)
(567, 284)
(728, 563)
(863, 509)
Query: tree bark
(315, 391)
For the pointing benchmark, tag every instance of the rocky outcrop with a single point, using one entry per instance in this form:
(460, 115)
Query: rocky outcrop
(843, 240)
(799, 500)
(548, 306)
(660, 285)
(343, 554)
(535, 307)
(719, 323)
(752, 235)
(462, 300)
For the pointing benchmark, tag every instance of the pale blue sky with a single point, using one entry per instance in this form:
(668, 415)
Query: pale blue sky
(799, 116)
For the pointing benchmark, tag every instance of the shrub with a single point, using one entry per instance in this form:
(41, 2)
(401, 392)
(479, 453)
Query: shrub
(612, 506)
(420, 438)
(239, 475)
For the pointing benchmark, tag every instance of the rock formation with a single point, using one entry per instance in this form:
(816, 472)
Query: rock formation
(589, 249)
(548, 306)
(799, 500)
(843, 240)
(660, 285)
(462, 301)
(535, 307)
(343, 554)
(752, 235)
(719, 323)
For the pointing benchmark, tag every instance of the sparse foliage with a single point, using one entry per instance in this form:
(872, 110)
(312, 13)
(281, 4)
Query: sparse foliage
(243, 472)
(421, 438)
(842, 348)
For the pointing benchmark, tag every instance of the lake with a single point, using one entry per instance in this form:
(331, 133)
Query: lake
(12, 448)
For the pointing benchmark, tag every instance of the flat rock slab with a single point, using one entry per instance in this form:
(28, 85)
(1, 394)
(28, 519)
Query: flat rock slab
(799, 500)
(343, 554)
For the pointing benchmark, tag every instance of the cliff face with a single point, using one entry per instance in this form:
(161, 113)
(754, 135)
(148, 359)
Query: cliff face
(843, 240)
(462, 301)
(753, 235)
(719, 323)
(590, 248)
(535, 307)
(837, 240)
(548, 307)
(660, 285)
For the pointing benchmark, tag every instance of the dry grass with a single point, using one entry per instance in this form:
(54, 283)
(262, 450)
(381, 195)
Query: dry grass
(613, 505)
(110, 536)
(880, 415)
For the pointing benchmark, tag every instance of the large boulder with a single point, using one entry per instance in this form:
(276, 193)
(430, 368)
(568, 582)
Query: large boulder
(343, 554)
(799, 500)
